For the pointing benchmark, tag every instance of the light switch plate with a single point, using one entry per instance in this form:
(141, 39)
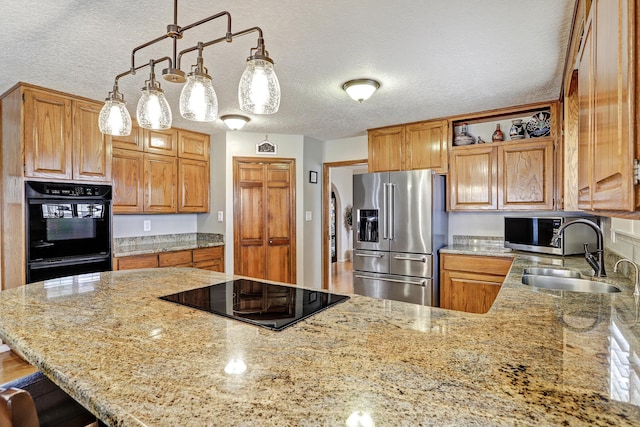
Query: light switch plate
(307, 215)
(146, 225)
(220, 216)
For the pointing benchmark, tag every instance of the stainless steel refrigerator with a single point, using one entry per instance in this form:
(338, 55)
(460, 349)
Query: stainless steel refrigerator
(400, 222)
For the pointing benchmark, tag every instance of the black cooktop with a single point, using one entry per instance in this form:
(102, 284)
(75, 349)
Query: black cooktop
(271, 306)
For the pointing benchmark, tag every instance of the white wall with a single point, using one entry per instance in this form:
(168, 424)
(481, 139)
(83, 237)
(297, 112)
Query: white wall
(313, 205)
(622, 236)
(208, 222)
(342, 181)
(339, 150)
(132, 225)
(243, 144)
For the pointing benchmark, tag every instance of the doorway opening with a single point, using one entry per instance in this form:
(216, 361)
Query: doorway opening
(337, 200)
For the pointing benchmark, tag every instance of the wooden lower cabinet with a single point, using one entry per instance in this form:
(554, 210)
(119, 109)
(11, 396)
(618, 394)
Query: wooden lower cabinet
(471, 283)
(204, 258)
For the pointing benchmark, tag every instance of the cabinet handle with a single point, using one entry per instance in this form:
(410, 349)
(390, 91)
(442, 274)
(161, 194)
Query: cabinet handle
(420, 283)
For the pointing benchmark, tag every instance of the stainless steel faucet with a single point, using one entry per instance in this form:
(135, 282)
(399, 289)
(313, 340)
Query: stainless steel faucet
(595, 259)
(636, 291)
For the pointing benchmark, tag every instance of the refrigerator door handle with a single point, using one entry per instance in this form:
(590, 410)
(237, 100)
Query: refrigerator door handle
(385, 279)
(407, 258)
(370, 255)
(385, 208)
(392, 196)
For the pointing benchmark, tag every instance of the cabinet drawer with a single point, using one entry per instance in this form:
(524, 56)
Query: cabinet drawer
(477, 264)
(207, 254)
(172, 259)
(213, 265)
(138, 261)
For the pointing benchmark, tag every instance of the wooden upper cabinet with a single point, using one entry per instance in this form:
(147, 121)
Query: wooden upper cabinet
(193, 185)
(91, 149)
(47, 135)
(160, 192)
(192, 145)
(426, 146)
(472, 180)
(133, 141)
(161, 141)
(386, 149)
(525, 175)
(586, 86)
(128, 181)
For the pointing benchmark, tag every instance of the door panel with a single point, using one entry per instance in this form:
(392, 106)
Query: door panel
(128, 175)
(91, 149)
(411, 210)
(264, 212)
(369, 231)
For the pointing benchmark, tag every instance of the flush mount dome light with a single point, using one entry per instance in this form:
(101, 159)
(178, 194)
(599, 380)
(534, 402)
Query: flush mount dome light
(361, 89)
(235, 121)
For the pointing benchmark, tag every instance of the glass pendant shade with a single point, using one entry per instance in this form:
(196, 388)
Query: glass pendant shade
(153, 110)
(114, 118)
(259, 89)
(198, 99)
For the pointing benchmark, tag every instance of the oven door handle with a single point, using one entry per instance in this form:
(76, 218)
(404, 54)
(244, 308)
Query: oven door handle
(422, 283)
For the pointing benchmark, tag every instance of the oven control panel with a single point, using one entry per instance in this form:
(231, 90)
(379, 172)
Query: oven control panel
(67, 190)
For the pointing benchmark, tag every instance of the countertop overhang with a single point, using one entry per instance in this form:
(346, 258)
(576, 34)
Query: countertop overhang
(536, 358)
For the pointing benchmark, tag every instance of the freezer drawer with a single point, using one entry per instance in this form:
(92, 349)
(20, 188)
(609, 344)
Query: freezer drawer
(419, 265)
(415, 290)
(374, 261)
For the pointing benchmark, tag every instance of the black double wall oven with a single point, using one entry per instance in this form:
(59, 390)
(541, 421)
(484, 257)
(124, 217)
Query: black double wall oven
(68, 229)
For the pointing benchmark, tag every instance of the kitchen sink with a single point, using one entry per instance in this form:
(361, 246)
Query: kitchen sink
(572, 284)
(554, 272)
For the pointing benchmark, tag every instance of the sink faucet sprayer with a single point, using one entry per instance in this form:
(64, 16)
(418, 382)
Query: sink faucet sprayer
(636, 291)
(595, 259)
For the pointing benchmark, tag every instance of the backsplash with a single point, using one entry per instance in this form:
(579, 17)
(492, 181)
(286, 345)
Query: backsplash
(478, 240)
(182, 238)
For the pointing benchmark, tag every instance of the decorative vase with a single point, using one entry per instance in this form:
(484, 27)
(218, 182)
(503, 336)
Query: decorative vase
(497, 134)
(517, 129)
(464, 138)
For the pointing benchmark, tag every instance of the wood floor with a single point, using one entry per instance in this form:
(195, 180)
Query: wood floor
(13, 367)
(341, 277)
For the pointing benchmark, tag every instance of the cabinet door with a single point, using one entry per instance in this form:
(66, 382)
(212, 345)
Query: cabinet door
(426, 146)
(91, 149)
(160, 174)
(209, 258)
(192, 145)
(612, 184)
(525, 176)
(133, 141)
(386, 149)
(47, 135)
(193, 186)
(586, 86)
(472, 293)
(175, 259)
(136, 261)
(161, 141)
(127, 181)
(473, 179)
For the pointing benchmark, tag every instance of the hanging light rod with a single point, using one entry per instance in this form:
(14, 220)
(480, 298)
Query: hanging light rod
(258, 90)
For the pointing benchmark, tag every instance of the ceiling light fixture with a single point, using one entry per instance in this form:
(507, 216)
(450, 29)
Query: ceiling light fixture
(361, 89)
(258, 90)
(235, 121)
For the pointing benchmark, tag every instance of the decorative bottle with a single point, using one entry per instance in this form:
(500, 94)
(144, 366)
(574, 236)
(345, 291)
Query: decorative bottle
(497, 134)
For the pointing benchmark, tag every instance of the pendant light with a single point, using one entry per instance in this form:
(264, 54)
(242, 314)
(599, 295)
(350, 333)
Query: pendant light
(153, 110)
(259, 89)
(114, 118)
(198, 99)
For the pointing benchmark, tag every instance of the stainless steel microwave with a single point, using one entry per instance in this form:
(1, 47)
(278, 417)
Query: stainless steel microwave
(534, 234)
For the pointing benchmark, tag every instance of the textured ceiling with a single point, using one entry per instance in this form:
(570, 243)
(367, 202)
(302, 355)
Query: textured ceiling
(434, 58)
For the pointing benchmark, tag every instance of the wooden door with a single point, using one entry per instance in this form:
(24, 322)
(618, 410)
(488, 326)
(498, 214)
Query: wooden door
(47, 135)
(612, 184)
(472, 293)
(193, 145)
(525, 175)
(473, 178)
(91, 149)
(133, 141)
(160, 175)
(160, 141)
(426, 146)
(386, 149)
(586, 85)
(127, 181)
(193, 186)
(264, 219)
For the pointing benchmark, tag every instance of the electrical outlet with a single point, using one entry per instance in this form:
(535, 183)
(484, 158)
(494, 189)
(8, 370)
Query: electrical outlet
(220, 216)
(146, 225)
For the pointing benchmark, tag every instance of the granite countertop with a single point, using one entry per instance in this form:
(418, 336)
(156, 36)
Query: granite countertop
(128, 246)
(536, 358)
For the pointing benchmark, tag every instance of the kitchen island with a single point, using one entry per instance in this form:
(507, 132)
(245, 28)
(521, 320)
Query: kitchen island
(536, 358)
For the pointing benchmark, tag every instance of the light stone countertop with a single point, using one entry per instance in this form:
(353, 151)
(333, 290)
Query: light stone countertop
(536, 358)
(141, 245)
